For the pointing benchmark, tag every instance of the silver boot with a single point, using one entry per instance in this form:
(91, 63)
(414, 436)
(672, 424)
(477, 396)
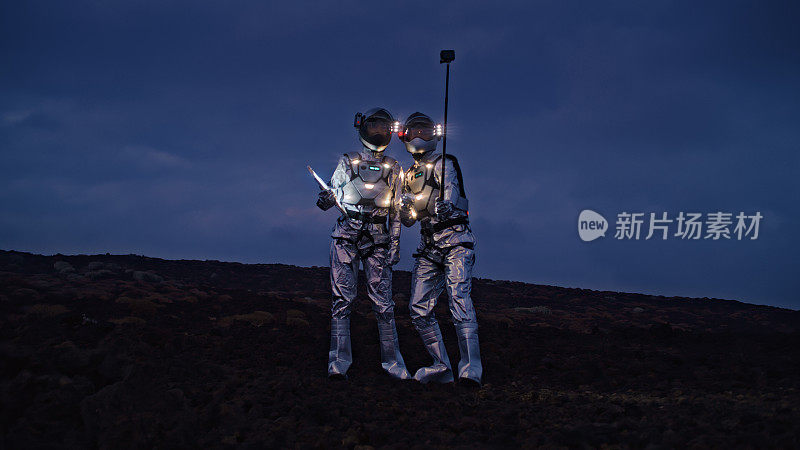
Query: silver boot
(440, 371)
(340, 356)
(391, 359)
(469, 367)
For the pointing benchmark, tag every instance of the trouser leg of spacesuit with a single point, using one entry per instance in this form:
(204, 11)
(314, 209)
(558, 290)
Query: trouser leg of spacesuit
(427, 283)
(379, 289)
(458, 275)
(340, 356)
(469, 366)
(344, 278)
(440, 371)
(391, 358)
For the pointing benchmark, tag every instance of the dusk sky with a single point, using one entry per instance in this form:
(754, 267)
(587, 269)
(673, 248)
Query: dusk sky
(181, 130)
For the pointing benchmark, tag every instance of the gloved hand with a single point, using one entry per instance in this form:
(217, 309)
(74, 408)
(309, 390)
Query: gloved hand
(407, 216)
(394, 255)
(326, 200)
(443, 209)
(407, 200)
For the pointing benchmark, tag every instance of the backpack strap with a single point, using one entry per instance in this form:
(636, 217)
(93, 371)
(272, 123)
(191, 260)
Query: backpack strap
(349, 157)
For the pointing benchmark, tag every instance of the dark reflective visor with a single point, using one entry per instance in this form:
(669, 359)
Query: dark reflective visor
(426, 133)
(376, 131)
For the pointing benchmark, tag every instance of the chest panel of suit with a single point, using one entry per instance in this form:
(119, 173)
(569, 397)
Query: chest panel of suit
(421, 183)
(369, 184)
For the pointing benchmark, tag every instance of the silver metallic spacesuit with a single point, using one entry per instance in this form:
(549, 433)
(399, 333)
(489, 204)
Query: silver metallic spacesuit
(366, 183)
(445, 256)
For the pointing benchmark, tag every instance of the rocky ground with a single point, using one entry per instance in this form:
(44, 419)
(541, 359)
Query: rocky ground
(126, 351)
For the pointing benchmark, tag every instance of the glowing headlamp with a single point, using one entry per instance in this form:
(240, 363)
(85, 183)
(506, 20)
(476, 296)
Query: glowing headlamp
(396, 127)
(439, 130)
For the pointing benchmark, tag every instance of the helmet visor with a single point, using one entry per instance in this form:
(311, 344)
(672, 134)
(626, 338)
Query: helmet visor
(424, 132)
(377, 131)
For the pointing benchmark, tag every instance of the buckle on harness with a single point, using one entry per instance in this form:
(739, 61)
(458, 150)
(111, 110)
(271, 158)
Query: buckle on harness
(366, 217)
(430, 230)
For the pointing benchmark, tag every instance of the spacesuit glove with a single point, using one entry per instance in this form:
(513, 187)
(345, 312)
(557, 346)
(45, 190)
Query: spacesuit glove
(406, 201)
(443, 209)
(326, 200)
(407, 215)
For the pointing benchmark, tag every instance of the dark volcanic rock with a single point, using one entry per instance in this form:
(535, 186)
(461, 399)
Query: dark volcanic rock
(108, 351)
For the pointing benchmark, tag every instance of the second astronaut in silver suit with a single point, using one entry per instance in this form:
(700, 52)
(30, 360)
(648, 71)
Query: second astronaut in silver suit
(366, 183)
(445, 256)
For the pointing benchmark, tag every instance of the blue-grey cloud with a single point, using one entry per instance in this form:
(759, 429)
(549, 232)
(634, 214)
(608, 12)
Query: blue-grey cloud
(181, 129)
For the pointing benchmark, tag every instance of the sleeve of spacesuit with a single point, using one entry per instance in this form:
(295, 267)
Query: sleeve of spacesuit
(339, 178)
(406, 217)
(395, 223)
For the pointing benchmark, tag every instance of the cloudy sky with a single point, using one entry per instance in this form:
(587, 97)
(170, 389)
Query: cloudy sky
(181, 129)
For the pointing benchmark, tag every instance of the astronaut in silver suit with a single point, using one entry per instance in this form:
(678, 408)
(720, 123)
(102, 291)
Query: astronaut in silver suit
(445, 256)
(366, 184)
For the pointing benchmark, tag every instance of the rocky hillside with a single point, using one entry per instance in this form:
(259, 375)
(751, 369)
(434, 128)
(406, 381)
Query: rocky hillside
(114, 351)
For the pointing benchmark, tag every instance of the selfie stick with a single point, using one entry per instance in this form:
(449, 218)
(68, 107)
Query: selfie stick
(445, 56)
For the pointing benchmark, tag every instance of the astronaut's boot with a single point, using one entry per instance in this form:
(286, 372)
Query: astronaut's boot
(391, 359)
(470, 368)
(340, 356)
(440, 371)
